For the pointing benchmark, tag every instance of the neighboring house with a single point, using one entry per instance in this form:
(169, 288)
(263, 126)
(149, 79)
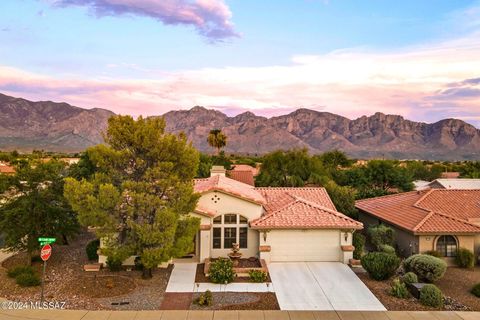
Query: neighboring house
(450, 175)
(242, 176)
(436, 219)
(275, 224)
(245, 167)
(421, 185)
(6, 168)
(455, 184)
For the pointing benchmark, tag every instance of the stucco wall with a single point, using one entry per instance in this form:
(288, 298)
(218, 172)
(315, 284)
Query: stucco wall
(225, 204)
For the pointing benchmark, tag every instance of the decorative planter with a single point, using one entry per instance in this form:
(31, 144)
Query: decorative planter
(354, 263)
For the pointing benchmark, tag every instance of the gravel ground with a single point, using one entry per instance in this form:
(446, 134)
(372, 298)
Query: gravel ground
(457, 284)
(67, 282)
(453, 285)
(240, 301)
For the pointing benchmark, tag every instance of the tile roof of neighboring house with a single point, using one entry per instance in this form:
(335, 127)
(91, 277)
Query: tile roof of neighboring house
(205, 211)
(230, 186)
(464, 183)
(421, 184)
(427, 211)
(301, 208)
(7, 169)
(245, 167)
(450, 175)
(242, 176)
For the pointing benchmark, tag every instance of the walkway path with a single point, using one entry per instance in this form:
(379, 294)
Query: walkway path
(235, 315)
(182, 279)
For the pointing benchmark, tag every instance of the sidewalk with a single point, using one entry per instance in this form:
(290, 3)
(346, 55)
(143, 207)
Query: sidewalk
(235, 315)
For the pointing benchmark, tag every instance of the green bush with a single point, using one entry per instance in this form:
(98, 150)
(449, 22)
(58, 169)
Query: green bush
(257, 275)
(16, 271)
(465, 258)
(28, 280)
(399, 289)
(91, 249)
(476, 290)
(427, 268)
(114, 264)
(431, 296)
(387, 249)
(359, 244)
(409, 278)
(205, 299)
(380, 265)
(380, 235)
(434, 253)
(221, 271)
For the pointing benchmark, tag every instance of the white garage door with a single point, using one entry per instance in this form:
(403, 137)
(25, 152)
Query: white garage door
(304, 245)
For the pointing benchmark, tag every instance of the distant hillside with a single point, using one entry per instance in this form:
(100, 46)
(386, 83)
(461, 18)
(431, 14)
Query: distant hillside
(379, 135)
(26, 125)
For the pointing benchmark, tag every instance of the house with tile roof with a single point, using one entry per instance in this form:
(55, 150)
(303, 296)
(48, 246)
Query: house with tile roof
(436, 219)
(274, 224)
(458, 183)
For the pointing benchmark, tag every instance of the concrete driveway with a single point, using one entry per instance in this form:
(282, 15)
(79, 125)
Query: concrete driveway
(320, 286)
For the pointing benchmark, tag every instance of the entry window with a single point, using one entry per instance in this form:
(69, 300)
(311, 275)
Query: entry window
(228, 229)
(447, 246)
(230, 237)
(217, 238)
(243, 237)
(217, 220)
(230, 219)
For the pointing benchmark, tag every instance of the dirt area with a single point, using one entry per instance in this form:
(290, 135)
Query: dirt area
(240, 301)
(67, 282)
(177, 301)
(200, 276)
(455, 285)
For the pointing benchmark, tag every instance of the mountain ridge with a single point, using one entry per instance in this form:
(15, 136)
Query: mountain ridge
(27, 125)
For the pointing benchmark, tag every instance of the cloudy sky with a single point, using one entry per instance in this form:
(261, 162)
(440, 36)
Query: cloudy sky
(420, 59)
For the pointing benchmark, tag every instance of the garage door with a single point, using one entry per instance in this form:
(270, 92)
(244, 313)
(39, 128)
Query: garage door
(304, 245)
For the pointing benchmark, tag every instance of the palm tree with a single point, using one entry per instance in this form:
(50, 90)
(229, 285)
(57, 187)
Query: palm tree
(217, 139)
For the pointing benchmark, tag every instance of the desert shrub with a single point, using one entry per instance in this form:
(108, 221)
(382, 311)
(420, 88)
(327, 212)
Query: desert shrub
(114, 264)
(16, 271)
(387, 249)
(476, 290)
(221, 271)
(257, 275)
(434, 253)
(465, 258)
(91, 249)
(409, 278)
(36, 259)
(28, 280)
(380, 235)
(427, 268)
(359, 243)
(399, 289)
(204, 299)
(431, 296)
(380, 265)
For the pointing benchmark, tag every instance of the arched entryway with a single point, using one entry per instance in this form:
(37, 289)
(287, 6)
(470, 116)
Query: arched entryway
(447, 245)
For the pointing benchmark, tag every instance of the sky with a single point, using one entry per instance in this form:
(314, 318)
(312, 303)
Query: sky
(418, 59)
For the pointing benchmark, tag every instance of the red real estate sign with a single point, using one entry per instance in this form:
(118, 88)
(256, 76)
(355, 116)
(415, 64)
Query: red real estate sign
(46, 252)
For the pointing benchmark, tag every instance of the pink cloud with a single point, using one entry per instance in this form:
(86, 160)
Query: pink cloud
(211, 18)
(421, 83)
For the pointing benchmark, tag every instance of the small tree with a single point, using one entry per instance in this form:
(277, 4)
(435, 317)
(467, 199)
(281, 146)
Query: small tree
(141, 194)
(217, 139)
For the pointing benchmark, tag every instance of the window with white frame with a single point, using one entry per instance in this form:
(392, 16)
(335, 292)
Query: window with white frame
(229, 229)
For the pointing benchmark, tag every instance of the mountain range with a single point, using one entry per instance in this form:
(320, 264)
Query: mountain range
(27, 125)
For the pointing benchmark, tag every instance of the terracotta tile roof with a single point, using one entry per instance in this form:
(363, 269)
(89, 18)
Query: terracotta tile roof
(205, 211)
(279, 197)
(450, 175)
(6, 169)
(427, 211)
(245, 167)
(301, 208)
(303, 214)
(229, 186)
(242, 176)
